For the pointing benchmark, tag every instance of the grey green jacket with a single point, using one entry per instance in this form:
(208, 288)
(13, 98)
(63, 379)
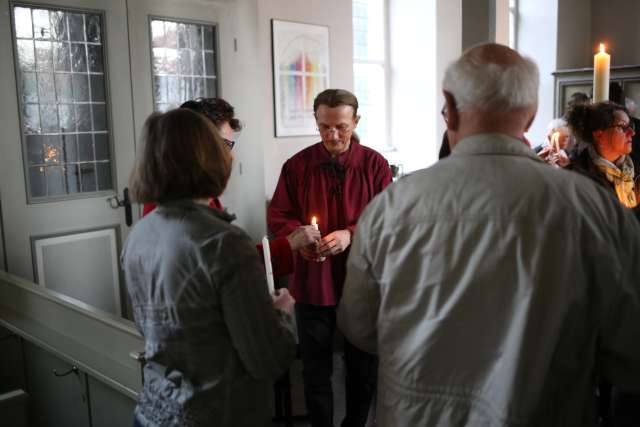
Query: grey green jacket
(495, 290)
(213, 341)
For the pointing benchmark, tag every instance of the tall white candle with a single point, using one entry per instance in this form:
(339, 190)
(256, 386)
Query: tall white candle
(601, 66)
(267, 265)
(314, 222)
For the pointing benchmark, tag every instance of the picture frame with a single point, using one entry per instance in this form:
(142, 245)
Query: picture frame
(301, 70)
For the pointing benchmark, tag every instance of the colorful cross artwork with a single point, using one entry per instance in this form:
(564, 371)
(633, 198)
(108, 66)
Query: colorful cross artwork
(300, 72)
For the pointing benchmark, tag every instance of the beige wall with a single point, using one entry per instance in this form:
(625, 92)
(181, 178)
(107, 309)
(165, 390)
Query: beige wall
(336, 14)
(574, 33)
(615, 22)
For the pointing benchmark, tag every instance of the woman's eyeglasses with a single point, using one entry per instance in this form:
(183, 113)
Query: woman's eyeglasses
(625, 127)
(228, 143)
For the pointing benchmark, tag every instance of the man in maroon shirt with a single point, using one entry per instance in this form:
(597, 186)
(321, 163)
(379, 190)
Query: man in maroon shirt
(333, 181)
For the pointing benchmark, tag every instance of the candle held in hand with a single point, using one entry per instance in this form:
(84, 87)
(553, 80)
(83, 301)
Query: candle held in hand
(601, 65)
(314, 222)
(267, 265)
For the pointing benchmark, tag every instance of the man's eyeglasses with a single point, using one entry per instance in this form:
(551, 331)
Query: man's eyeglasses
(228, 143)
(342, 129)
(625, 128)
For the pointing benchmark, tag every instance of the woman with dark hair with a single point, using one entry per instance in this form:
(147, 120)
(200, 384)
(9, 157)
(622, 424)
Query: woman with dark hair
(604, 132)
(215, 340)
(222, 115)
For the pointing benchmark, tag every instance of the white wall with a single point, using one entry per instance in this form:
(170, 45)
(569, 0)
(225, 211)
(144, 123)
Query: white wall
(336, 14)
(538, 39)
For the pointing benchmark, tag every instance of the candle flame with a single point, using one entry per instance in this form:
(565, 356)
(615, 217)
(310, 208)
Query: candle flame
(314, 221)
(602, 48)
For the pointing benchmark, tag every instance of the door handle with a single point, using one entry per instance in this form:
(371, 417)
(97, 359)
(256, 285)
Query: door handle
(125, 203)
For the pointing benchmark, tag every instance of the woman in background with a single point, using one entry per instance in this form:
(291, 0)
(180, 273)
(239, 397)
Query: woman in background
(215, 340)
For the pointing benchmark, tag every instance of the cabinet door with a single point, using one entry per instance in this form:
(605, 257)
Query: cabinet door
(11, 362)
(108, 407)
(54, 401)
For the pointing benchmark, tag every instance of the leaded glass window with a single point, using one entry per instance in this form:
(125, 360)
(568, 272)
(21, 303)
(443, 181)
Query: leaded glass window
(63, 101)
(183, 62)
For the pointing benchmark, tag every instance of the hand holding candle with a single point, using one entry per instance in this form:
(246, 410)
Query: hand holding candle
(311, 253)
(601, 65)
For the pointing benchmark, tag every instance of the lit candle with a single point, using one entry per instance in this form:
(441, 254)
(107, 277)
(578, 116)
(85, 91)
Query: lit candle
(267, 265)
(601, 63)
(314, 222)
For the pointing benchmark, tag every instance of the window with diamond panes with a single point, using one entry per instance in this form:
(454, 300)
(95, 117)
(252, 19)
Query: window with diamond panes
(61, 86)
(184, 62)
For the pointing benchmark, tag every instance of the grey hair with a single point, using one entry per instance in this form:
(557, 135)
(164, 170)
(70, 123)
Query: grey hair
(478, 84)
(556, 124)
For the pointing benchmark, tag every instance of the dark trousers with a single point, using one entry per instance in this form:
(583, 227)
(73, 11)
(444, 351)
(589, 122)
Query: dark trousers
(316, 331)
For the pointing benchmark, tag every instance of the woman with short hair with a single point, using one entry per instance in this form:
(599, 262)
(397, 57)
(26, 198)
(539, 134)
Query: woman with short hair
(215, 340)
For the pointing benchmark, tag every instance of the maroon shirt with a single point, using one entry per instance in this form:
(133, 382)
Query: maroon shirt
(335, 191)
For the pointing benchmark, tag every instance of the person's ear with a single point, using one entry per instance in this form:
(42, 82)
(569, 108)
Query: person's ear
(356, 119)
(453, 117)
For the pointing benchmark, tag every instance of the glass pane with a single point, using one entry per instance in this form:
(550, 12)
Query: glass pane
(34, 149)
(26, 55)
(55, 181)
(99, 117)
(63, 107)
(208, 37)
(103, 172)
(102, 146)
(95, 58)
(72, 176)
(97, 88)
(211, 88)
(41, 24)
(93, 28)
(31, 118)
(209, 64)
(44, 56)
(368, 30)
(80, 85)
(70, 148)
(37, 183)
(59, 25)
(46, 88)
(88, 176)
(370, 90)
(49, 118)
(83, 117)
(64, 92)
(52, 150)
(78, 57)
(181, 51)
(61, 56)
(29, 87)
(76, 27)
(23, 24)
(67, 116)
(85, 148)
(198, 63)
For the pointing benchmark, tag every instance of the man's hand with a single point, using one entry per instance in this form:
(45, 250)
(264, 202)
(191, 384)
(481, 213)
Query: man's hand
(303, 236)
(335, 243)
(310, 253)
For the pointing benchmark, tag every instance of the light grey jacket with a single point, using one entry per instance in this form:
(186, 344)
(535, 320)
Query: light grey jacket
(213, 341)
(494, 288)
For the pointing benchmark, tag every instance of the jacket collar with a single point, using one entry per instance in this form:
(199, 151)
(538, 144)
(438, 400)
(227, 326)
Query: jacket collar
(493, 144)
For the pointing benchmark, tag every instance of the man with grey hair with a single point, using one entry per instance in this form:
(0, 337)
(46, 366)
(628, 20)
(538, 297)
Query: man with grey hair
(494, 288)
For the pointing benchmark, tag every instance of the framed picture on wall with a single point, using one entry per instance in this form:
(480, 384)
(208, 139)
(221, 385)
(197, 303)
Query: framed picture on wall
(300, 71)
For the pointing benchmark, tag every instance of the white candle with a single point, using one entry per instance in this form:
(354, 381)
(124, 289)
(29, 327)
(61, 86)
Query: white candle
(601, 65)
(314, 222)
(267, 265)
